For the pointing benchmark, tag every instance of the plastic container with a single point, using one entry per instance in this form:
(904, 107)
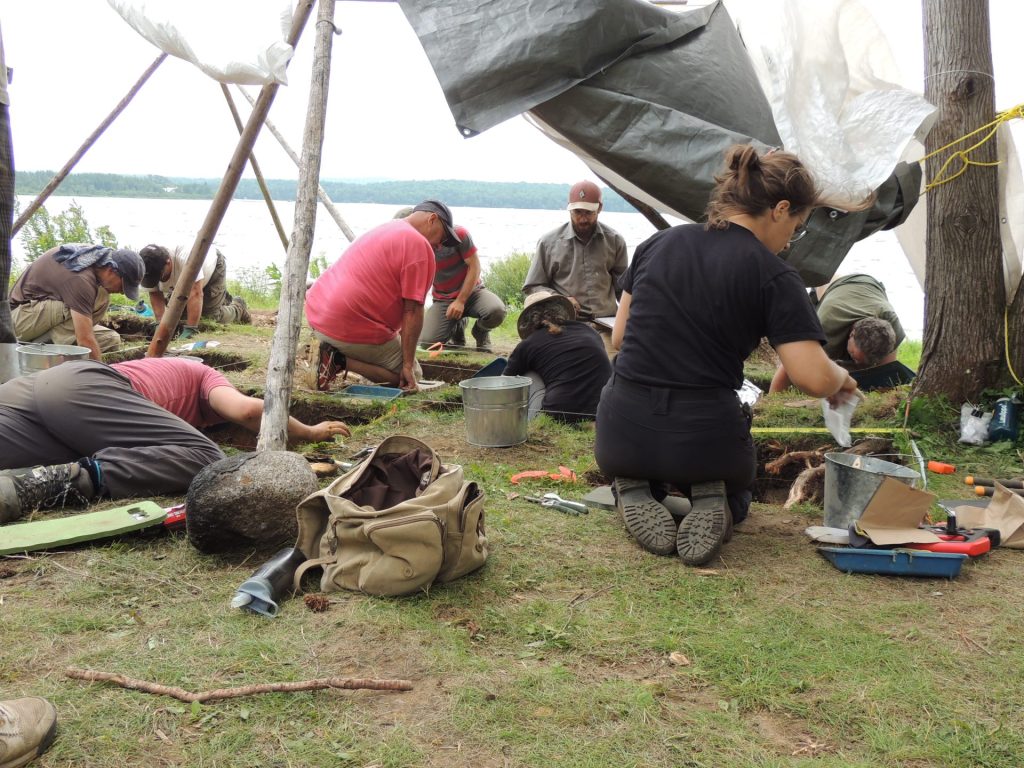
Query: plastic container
(38, 357)
(370, 392)
(496, 409)
(1004, 420)
(851, 481)
(895, 562)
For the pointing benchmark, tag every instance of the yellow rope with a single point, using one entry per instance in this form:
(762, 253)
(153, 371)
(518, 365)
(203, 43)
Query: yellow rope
(1006, 341)
(962, 155)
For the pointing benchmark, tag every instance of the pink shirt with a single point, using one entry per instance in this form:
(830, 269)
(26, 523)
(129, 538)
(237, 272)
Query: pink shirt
(180, 386)
(359, 298)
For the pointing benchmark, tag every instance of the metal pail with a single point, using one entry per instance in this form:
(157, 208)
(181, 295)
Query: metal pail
(9, 366)
(39, 357)
(496, 410)
(851, 481)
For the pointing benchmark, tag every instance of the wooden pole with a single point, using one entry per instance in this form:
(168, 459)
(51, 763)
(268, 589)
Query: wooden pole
(63, 172)
(204, 238)
(321, 193)
(256, 171)
(281, 367)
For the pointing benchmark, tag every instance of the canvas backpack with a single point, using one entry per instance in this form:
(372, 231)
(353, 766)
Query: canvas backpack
(394, 524)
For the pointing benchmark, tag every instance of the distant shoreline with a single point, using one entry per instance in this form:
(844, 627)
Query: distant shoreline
(477, 194)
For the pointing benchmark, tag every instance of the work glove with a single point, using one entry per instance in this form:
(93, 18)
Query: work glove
(188, 332)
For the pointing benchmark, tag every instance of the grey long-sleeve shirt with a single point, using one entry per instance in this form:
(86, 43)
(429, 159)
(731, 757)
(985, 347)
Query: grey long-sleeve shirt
(586, 271)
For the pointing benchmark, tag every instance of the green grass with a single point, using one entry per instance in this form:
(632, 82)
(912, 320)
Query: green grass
(563, 650)
(909, 353)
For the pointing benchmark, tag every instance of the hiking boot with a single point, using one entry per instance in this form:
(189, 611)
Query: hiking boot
(25, 490)
(244, 318)
(647, 521)
(330, 363)
(483, 338)
(27, 729)
(707, 527)
(459, 334)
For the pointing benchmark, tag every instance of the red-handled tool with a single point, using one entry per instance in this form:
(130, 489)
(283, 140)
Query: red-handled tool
(175, 520)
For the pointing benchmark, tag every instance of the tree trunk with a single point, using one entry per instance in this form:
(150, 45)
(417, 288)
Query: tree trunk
(962, 351)
(281, 367)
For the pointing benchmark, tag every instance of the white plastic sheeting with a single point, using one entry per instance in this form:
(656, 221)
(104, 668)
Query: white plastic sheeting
(833, 86)
(232, 41)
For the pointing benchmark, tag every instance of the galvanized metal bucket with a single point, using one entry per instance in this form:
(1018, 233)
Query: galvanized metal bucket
(38, 357)
(9, 366)
(496, 410)
(851, 481)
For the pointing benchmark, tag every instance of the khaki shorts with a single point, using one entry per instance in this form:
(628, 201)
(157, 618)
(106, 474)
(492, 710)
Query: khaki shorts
(387, 355)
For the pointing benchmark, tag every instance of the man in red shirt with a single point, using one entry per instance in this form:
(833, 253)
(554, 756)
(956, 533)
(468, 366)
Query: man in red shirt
(367, 308)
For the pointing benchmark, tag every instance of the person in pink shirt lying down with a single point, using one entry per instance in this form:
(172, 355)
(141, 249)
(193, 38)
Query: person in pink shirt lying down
(202, 396)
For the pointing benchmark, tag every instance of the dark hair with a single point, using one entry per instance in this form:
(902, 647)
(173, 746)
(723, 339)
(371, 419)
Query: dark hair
(548, 318)
(874, 337)
(752, 184)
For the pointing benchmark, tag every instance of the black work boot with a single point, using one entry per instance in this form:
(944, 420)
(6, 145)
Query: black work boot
(23, 491)
(483, 338)
(459, 333)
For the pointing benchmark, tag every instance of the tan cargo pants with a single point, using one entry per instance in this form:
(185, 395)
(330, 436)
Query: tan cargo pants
(49, 321)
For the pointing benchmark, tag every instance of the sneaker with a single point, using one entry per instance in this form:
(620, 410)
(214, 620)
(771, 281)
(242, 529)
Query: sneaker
(459, 334)
(25, 490)
(27, 729)
(707, 527)
(330, 363)
(244, 318)
(647, 521)
(483, 338)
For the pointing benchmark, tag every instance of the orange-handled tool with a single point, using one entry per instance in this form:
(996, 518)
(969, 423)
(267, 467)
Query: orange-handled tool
(1007, 482)
(941, 468)
(987, 490)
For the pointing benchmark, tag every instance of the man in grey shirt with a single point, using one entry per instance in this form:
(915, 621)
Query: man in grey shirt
(581, 260)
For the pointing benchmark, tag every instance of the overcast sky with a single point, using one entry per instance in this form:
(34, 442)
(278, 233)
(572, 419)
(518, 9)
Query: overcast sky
(75, 59)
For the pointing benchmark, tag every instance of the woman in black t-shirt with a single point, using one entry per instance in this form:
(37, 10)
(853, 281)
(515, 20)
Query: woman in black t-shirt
(566, 355)
(696, 301)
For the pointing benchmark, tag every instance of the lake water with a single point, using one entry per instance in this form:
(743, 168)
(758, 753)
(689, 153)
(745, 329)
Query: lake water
(248, 238)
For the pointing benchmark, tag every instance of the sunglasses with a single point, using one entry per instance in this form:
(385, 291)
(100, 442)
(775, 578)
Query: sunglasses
(798, 233)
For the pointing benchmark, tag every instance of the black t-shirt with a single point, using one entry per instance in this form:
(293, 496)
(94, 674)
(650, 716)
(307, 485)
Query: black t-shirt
(701, 301)
(572, 364)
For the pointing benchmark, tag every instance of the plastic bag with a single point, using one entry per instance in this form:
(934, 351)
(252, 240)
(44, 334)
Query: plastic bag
(839, 416)
(974, 425)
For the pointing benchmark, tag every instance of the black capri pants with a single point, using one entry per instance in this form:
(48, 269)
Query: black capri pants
(676, 436)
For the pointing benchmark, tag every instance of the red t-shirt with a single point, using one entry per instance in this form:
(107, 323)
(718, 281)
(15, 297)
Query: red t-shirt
(359, 298)
(180, 386)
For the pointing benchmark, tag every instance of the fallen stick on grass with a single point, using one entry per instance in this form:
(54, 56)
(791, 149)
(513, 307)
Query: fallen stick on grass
(243, 690)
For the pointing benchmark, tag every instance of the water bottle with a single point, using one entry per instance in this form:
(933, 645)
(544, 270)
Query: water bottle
(269, 583)
(1004, 420)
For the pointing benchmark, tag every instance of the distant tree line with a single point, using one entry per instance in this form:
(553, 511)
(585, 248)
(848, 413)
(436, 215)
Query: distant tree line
(476, 194)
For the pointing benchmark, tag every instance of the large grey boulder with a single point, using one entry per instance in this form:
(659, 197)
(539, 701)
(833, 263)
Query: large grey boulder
(247, 500)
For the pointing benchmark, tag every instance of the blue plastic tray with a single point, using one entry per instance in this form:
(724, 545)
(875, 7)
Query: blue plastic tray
(370, 392)
(895, 562)
(494, 368)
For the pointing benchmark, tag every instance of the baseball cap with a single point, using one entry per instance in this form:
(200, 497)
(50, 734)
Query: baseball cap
(445, 215)
(130, 267)
(154, 258)
(585, 195)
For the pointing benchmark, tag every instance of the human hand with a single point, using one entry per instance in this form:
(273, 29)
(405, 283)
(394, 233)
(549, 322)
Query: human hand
(326, 430)
(455, 310)
(188, 332)
(575, 304)
(407, 380)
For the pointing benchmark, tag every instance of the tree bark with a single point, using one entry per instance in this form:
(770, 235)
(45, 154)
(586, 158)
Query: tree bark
(281, 367)
(962, 350)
